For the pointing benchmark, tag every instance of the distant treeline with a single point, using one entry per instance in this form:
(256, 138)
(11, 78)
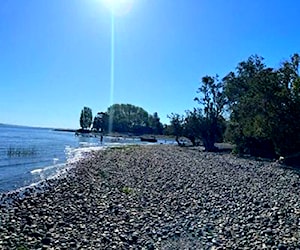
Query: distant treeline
(122, 118)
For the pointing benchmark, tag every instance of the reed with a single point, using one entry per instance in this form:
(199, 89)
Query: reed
(21, 152)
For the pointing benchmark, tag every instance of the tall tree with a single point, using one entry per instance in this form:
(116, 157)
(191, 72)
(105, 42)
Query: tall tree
(86, 118)
(193, 125)
(213, 100)
(264, 104)
(100, 122)
(249, 90)
(155, 124)
(129, 118)
(176, 126)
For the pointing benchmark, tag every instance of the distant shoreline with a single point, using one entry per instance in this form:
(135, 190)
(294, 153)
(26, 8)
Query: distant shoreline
(65, 130)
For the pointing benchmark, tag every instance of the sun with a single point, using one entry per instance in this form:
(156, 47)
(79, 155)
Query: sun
(119, 7)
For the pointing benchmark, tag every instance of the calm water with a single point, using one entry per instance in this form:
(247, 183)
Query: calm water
(29, 155)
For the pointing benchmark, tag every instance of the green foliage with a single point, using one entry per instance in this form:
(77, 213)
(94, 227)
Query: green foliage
(129, 118)
(100, 122)
(21, 247)
(127, 190)
(207, 125)
(155, 124)
(86, 118)
(192, 125)
(167, 130)
(264, 105)
(212, 98)
(176, 126)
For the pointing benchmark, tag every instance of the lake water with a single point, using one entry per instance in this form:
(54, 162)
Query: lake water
(29, 155)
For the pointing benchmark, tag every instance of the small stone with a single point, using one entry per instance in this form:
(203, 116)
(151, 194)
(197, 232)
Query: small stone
(134, 237)
(46, 241)
(150, 245)
(282, 247)
(215, 241)
(268, 231)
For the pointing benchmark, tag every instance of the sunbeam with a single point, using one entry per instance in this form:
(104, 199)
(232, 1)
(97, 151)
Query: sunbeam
(117, 8)
(112, 69)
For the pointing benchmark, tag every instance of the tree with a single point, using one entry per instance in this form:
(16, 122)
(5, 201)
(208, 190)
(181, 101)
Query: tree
(86, 118)
(167, 129)
(285, 129)
(129, 118)
(100, 122)
(193, 125)
(205, 124)
(155, 124)
(247, 91)
(176, 126)
(213, 100)
(264, 104)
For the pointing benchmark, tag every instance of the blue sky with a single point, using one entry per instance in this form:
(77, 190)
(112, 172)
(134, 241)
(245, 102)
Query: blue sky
(55, 54)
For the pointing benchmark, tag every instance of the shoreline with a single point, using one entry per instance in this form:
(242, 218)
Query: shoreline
(72, 156)
(159, 197)
(65, 171)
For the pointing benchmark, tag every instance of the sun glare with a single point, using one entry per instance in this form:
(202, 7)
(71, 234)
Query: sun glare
(118, 7)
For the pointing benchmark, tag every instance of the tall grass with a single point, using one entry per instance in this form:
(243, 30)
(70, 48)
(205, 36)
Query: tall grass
(21, 152)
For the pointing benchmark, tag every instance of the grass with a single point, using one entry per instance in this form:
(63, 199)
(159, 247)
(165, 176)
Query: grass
(21, 152)
(127, 190)
(22, 248)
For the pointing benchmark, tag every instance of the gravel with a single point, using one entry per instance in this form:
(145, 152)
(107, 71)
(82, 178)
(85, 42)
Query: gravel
(158, 197)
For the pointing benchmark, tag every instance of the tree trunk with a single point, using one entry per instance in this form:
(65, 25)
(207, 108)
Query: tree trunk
(209, 145)
(178, 142)
(193, 140)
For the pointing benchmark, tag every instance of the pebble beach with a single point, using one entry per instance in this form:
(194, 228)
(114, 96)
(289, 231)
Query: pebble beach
(159, 197)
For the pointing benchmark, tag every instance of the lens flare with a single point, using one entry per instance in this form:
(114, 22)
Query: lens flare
(119, 7)
(112, 70)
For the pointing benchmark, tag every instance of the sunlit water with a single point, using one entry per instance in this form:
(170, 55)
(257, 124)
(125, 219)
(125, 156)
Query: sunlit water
(30, 155)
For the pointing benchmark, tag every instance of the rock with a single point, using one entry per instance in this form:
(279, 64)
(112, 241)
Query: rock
(282, 247)
(36, 234)
(195, 200)
(46, 241)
